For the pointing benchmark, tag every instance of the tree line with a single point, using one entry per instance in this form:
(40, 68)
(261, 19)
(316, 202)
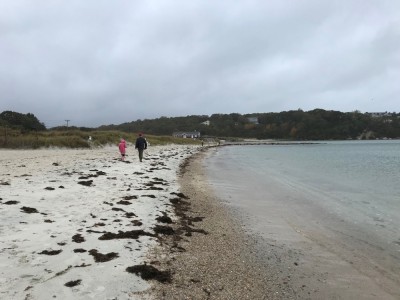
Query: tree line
(317, 124)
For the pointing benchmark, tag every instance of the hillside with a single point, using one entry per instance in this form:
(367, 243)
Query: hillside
(317, 124)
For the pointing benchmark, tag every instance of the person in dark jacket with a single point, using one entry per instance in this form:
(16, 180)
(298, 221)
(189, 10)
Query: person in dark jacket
(141, 145)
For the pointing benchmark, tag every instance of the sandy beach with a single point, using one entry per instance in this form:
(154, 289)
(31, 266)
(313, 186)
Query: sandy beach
(82, 224)
(79, 224)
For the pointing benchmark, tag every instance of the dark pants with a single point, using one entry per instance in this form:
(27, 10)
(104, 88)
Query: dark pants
(140, 154)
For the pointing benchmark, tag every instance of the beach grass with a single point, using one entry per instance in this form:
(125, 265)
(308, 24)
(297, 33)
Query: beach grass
(18, 139)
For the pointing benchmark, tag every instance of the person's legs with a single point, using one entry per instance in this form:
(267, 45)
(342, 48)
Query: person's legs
(140, 154)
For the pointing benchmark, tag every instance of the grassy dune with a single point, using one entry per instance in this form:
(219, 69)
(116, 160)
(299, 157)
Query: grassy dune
(16, 139)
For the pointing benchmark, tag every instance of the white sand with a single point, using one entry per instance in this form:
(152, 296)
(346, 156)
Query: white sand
(47, 180)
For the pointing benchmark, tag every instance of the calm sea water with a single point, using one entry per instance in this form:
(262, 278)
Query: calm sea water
(352, 176)
(344, 193)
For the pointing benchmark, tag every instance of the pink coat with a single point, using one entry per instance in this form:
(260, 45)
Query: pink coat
(122, 146)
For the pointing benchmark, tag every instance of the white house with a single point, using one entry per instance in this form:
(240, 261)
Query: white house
(253, 120)
(187, 134)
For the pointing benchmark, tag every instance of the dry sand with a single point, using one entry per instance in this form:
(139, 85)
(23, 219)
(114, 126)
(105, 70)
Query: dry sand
(78, 224)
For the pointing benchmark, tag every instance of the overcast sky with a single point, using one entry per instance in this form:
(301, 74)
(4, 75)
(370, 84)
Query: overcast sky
(97, 62)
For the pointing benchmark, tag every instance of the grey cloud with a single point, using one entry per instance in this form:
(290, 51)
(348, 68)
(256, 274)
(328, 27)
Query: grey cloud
(98, 62)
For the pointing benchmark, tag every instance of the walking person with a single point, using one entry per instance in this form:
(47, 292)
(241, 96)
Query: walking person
(141, 145)
(122, 149)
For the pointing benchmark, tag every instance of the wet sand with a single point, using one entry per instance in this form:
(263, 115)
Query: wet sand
(217, 260)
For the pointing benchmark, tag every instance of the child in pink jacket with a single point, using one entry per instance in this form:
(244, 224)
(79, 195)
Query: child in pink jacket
(122, 148)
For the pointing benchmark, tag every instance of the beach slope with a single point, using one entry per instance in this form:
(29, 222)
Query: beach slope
(210, 256)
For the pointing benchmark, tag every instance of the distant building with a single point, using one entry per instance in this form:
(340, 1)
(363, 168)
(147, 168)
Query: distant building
(380, 114)
(207, 123)
(187, 134)
(253, 120)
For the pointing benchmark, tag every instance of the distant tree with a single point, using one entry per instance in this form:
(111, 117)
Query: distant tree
(22, 121)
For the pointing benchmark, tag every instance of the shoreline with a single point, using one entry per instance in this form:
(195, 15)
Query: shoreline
(167, 235)
(219, 261)
(233, 262)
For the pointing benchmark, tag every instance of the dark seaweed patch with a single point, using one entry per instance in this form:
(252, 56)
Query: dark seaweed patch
(78, 238)
(130, 215)
(164, 219)
(154, 188)
(86, 183)
(133, 234)
(117, 209)
(73, 283)
(130, 197)
(83, 265)
(180, 195)
(51, 252)
(99, 257)
(161, 229)
(159, 179)
(98, 173)
(29, 210)
(182, 205)
(48, 221)
(148, 272)
(99, 224)
(136, 223)
(79, 250)
(11, 202)
(94, 231)
(63, 271)
(190, 220)
(122, 202)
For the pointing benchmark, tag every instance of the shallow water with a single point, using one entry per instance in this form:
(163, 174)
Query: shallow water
(342, 196)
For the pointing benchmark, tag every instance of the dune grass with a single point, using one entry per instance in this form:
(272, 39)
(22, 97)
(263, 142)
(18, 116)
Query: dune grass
(16, 139)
